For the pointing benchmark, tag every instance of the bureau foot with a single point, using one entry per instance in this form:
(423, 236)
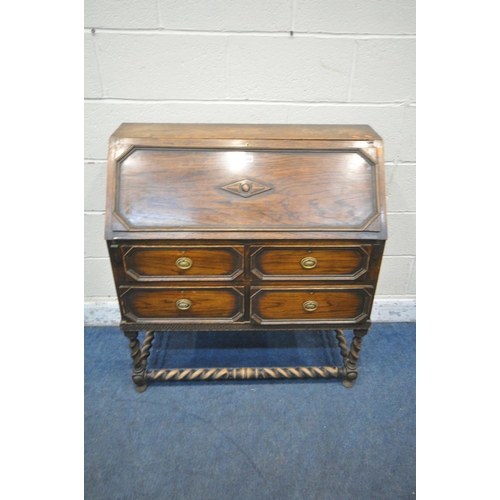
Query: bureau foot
(140, 388)
(348, 383)
(139, 357)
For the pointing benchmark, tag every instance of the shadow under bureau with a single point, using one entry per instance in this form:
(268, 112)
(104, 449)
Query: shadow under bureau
(245, 227)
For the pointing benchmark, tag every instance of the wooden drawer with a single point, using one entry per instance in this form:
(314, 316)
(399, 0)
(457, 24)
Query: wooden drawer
(168, 263)
(175, 304)
(340, 262)
(310, 305)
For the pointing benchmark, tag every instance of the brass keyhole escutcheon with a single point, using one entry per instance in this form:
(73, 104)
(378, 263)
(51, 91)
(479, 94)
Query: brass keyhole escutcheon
(183, 304)
(184, 263)
(310, 305)
(309, 262)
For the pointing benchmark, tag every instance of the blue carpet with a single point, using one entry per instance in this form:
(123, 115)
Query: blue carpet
(279, 439)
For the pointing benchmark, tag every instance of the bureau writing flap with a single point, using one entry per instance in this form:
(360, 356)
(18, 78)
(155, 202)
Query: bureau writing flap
(174, 189)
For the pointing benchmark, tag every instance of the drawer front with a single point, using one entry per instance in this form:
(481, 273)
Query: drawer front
(165, 263)
(310, 305)
(200, 304)
(310, 262)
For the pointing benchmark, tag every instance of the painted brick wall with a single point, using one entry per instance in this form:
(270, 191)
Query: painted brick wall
(265, 61)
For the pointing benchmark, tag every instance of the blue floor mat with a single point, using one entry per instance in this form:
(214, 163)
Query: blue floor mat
(276, 439)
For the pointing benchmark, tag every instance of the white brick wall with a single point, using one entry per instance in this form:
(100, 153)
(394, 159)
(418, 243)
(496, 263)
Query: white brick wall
(228, 15)
(236, 61)
(356, 16)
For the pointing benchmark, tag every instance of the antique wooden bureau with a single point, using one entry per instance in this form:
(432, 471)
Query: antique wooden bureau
(245, 227)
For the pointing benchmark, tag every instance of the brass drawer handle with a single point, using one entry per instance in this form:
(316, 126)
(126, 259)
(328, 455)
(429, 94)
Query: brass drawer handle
(310, 305)
(309, 262)
(184, 263)
(183, 304)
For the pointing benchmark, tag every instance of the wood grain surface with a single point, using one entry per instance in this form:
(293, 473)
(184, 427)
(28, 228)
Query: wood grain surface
(158, 263)
(332, 262)
(278, 305)
(206, 303)
(165, 189)
(243, 131)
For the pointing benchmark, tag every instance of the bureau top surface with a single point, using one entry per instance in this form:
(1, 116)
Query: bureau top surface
(247, 132)
(182, 181)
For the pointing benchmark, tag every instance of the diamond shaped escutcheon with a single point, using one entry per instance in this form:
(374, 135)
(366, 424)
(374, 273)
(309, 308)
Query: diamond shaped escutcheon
(246, 188)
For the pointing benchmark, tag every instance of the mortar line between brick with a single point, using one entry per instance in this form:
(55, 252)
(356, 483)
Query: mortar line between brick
(353, 69)
(118, 100)
(401, 130)
(294, 15)
(393, 172)
(227, 67)
(96, 49)
(303, 34)
(158, 12)
(387, 296)
(100, 299)
(412, 265)
(403, 256)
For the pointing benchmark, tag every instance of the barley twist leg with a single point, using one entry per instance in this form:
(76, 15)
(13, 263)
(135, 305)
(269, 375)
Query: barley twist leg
(344, 348)
(351, 361)
(139, 357)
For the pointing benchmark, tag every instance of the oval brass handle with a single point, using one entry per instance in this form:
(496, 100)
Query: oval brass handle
(309, 262)
(310, 305)
(184, 263)
(183, 304)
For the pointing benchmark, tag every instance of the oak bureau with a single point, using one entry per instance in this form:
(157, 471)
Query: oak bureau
(245, 227)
